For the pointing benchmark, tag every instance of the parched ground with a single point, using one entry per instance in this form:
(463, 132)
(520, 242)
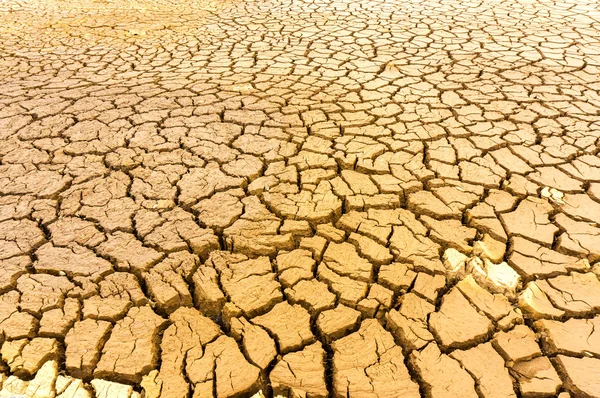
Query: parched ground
(328, 198)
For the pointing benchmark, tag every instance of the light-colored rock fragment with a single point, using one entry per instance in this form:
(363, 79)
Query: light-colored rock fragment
(43, 384)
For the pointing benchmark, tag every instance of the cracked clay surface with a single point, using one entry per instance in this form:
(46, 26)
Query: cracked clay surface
(299, 198)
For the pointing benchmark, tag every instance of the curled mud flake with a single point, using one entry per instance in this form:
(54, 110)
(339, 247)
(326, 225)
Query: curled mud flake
(11, 269)
(312, 295)
(258, 346)
(84, 344)
(201, 183)
(497, 278)
(336, 323)
(42, 292)
(536, 304)
(368, 362)
(57, 322)
(455, 263)
(132, 348)
(151, 387)
(575, 337)
(580, 238)
(256, 232)
(74, 260)
(553, 195)
(409, 323)
(19, 238)
(289, 324)
(182, 344)
(441, 375)
(220, 210)
(487, 368)
(455, 312)
(533, 261)
(294, 266)
(530, 220)
(343, 259)
(450, 233)
(68, 230)
(495, 306)
(223, 369)
(128, 253)
(103, 200)
(177, 230)
(19, 180)
(250, 285)
(536, 377)
(577, 293)
(518, 344)
(301, 373)
(25, 357)
(581, 375)
(581, 207)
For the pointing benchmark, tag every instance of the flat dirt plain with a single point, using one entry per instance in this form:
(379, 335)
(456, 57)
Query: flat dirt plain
(306, 199)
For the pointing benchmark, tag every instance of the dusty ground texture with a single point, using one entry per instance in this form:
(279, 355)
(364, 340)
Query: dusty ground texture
(366, 198)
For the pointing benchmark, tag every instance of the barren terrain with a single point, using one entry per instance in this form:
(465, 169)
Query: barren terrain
(308, 199)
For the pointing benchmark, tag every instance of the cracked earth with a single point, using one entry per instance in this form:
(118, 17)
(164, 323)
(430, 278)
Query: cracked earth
(329, 198)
